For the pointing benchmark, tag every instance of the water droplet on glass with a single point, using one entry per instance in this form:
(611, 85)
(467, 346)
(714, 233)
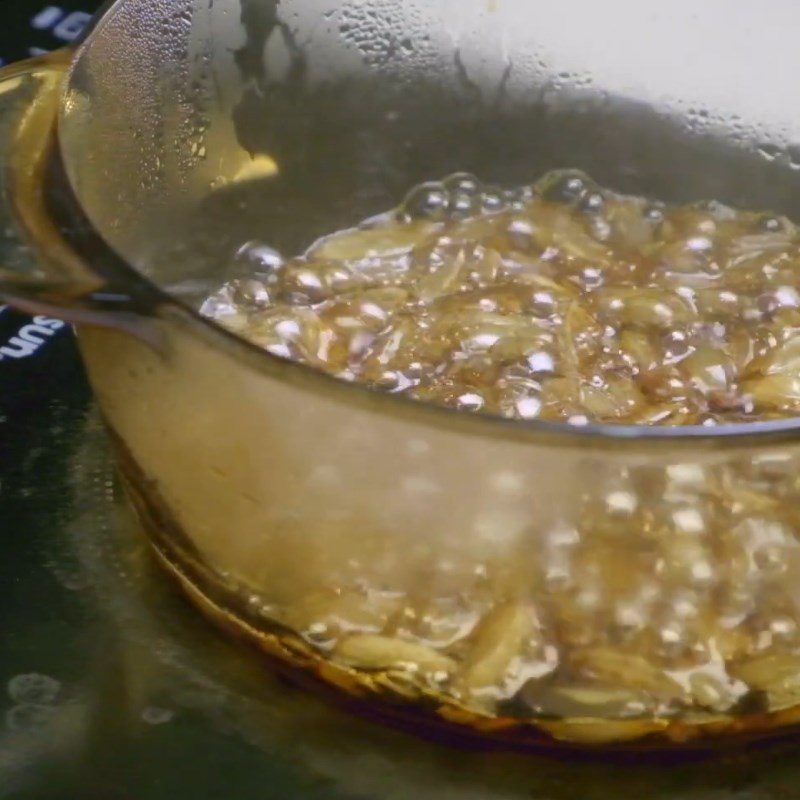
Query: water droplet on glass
(32, 687)
(153, 715)
(29, 716)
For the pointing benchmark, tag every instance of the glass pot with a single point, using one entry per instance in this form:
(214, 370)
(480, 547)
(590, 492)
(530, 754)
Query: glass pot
(532, 582)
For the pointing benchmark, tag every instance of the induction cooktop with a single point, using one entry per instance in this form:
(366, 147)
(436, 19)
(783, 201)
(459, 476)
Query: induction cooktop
(111, 687)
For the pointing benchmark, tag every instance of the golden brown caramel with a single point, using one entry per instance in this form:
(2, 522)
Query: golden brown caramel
(672, 594)
(561, 301)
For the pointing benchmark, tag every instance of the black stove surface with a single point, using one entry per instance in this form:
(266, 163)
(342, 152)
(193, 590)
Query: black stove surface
(32, 368)
(112, 688)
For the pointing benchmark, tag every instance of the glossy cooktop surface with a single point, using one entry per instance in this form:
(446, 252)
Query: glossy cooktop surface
(112, 687)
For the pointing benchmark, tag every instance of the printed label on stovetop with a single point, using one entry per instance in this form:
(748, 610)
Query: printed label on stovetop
(37, 354)
(30, 28)
(38, 362)
(29, 337)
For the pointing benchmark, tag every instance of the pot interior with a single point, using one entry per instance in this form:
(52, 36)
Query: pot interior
(190, 128)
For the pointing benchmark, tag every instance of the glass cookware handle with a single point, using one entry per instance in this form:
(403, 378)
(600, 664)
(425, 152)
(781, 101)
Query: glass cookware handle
(41, 271)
